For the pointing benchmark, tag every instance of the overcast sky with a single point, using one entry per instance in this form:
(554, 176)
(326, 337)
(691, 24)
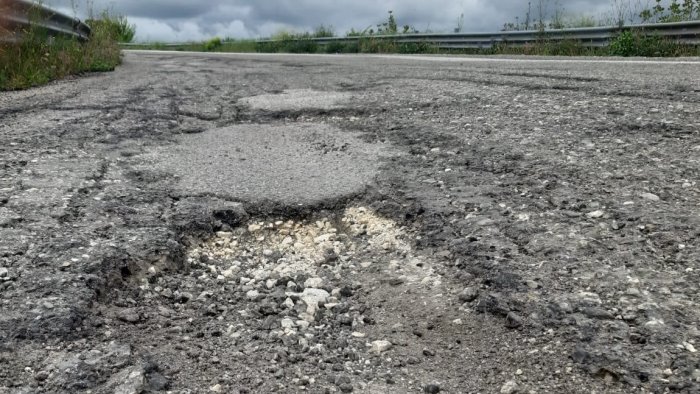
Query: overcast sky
(185, 20)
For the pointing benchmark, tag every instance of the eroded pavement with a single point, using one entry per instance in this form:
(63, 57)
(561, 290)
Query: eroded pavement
(242, 223)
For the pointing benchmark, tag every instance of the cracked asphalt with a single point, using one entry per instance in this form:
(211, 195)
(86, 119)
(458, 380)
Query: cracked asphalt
(384, 224)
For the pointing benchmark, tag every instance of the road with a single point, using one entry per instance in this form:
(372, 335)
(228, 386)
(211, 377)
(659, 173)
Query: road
(382, 224)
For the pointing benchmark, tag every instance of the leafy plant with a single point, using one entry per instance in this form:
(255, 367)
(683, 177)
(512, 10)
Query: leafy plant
(324, 31)
(634, 43)
(213, 44)
(389, 27)
(38, 58)
(117, 26)
(676, 11)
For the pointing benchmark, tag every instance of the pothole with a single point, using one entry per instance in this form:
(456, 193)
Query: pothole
(296, 99)
(305, 263)
(290, 304)
(290, 163)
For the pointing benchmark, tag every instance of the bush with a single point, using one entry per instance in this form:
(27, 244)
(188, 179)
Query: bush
(117, 26)
(633, 43)
(39, 59)
(213, 44)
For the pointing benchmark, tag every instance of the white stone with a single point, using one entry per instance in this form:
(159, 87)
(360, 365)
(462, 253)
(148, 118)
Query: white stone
(252, 295)
(595, 214)
(381, 346)
(509, 388)
(650, 196)
(312, 297)
(689, 347)
(314, 283)
(287, 323)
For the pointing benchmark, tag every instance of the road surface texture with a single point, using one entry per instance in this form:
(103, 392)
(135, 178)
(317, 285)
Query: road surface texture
(200, 223)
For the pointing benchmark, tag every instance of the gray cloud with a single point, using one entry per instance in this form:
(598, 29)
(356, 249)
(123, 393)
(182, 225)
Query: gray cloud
(183, 20)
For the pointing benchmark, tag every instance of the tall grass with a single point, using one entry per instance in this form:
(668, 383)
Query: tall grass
(39, 58)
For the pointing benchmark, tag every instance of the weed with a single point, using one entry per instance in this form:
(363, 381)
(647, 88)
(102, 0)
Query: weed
(39, 58)
(213, 44)
(117, 26)
(635, 43)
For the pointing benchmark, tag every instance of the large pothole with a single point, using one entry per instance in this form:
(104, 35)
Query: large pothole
(305, 263)
(288, 163)
(284, 304)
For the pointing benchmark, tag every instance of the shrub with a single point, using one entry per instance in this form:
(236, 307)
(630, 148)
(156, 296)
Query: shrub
(633, 43)
(213, 44)
(39, 58)
(117, 26)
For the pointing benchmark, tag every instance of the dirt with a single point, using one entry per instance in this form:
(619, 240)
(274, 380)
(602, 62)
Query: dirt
(514, 227)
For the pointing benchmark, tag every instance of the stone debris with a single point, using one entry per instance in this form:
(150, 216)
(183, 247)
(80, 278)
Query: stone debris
(380, 346)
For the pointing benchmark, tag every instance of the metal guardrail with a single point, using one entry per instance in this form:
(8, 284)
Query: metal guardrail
(682, 32)
(17, 16)
(687, 33)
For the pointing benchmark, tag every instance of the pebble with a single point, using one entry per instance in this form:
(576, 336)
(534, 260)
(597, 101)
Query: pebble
(4, 273)
(312, 297)
(129, 381)
(469, 294)
(129, 316)
(157, 382)
(381, 346)
(650, 197)
(287, 323)
(689, 347)
(595, 214)
(513, 320)
(509, 388)
(41, 376)
(215, 388)
(431, 389)
(314, 283)
(252, 295)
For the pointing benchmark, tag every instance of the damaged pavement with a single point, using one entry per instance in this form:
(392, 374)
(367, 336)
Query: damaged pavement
(325, 224)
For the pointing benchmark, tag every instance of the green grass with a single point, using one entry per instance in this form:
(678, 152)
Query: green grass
(39, 59)
(629, 43)
(213, 45)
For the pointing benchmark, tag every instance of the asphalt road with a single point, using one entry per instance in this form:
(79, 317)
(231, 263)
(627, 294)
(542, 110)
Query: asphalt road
(470, 224)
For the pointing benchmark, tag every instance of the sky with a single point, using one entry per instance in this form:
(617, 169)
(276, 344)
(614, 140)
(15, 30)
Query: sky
(196, 20)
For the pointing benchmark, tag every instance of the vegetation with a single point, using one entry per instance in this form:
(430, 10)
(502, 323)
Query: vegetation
(677, 11)
(117, 27)
(39, 58)
(214, 45)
